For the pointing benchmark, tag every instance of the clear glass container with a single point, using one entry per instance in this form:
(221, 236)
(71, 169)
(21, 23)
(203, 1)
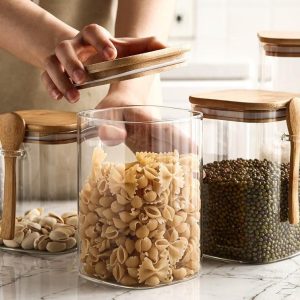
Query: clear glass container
(246, 185)
(139, 195)
(280, 61)
(46, 185)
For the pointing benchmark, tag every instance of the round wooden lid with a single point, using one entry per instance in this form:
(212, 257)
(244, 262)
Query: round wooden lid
(242, 100)
(134, 66)
(48, 121)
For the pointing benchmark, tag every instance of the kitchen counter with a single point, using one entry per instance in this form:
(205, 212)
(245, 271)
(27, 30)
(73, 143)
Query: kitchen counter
(55, 277)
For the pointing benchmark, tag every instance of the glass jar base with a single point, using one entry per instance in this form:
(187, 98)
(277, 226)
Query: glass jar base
(113, 284)
(36, 252)
(228, 260)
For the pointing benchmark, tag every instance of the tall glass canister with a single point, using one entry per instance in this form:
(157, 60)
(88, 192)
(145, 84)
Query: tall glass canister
(280, 61)
(139, 195)
(246, 160)
(42, 217)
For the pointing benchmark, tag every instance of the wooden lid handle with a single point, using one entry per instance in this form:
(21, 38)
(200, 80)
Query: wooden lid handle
(12, 130)
(293, 121)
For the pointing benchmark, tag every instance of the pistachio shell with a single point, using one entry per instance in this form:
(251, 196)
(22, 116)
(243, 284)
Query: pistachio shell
(58, 235)
(58, 218)
(11, 243)
(19, 236)
(28, 242)
(72, 221)
(48, 221)
(56, 246)
(70, 243)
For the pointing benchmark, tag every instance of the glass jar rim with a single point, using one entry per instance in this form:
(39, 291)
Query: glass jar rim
(87, 114)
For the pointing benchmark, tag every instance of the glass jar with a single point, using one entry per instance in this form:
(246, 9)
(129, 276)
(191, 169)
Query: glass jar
(139, 199)
(280, 61)
(245, 192)
(43, 216)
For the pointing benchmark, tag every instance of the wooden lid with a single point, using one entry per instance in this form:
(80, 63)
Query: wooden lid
(48, 121)
(134, 66)
(280, 43)
(242, 100)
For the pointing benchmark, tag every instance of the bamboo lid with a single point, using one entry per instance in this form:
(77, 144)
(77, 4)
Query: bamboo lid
(48, 122)
(243, 105)
(134, 66)
(280, 43)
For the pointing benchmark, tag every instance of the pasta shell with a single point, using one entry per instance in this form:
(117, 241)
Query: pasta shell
(152, 212)
(126, 217)
(142, 182)
(152, 224)
(100, 270)
(137, 202)
(129, 245)
(111, 232)
(116, 207)
(161, 244)
(133, 272)
(168, 213)
(134, 225)
(171, 235)
(113, 259)
(119, 223)
(150, 196)
(152, 281)
(132, 262)
(118, 272)
(179, 274)
(142, 232)
(91, 218)
(122, 255)
(143, 245)
(122, 200)
(153, 254)
(150, 173)
(90, 232)
(128, 280)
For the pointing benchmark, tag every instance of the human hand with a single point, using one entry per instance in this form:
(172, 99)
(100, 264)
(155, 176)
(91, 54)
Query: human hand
(92, 43)
(144, 130)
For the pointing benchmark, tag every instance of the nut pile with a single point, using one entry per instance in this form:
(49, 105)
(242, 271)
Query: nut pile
(245, 211)
(52, 233)
(139, 222)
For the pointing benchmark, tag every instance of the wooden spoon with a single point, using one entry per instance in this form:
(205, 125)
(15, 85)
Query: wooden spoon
(293, 121)
(12, 130)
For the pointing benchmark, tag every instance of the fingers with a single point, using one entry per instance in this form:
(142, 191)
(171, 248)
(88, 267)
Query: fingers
(132, 46)
(68, 58)
(60, 79)
(112, 135)
(99, 38)
(53, 91)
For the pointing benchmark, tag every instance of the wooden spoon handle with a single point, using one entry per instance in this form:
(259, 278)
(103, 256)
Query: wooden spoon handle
(294, 183)
(9, 203)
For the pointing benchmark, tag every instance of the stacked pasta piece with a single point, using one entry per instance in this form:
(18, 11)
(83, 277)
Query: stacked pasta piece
(139, 222)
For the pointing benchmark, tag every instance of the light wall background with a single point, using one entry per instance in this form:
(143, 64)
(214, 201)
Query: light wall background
(224, 31)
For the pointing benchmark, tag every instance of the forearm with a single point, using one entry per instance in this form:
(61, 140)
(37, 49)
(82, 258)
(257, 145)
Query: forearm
(29, 32)
(136, 18)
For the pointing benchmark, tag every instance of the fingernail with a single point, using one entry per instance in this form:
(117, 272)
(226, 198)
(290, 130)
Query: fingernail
(78, 75)
(55, 94)
(109, 53)
(72, 95)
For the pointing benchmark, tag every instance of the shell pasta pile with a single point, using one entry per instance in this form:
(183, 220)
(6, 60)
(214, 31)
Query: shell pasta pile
(139, 222)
